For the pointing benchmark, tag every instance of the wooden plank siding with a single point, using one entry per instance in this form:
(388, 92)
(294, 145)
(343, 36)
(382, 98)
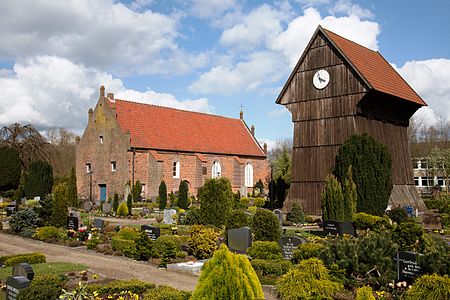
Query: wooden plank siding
(325, 119)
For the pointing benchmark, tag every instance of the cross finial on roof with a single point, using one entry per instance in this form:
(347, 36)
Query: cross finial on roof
(241, 114)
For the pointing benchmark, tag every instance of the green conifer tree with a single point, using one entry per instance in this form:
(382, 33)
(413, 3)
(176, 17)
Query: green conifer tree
(10, 168)
(129, 204)
(183, 195)
(137, 189)
(228, 276)
(60, 204)
(162, 194)
(332, 200)
(350, 196)
(115, 204)
(216, 201)
(39, 181)
(72, 189)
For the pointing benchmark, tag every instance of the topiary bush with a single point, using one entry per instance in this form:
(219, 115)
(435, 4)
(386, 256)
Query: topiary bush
(429, 287)
(306, 251)
(122, 210)
(266, 226)
(216, 201)
(227, 276)
(308, 280)
(398, 215)
(166, 247)
(144, 246)
(202, 241)
(47, 233)
(259, 202)
(237, 219)
(265, 250)
(49, 279)
(129, 205)
(30, 258)
(364, 221)
(41, 292)
(183, 194)
(166, 293)
(193, 217)
(133, 285)
(371, 164)
(24, 218)
(162, 195)
(264, 267)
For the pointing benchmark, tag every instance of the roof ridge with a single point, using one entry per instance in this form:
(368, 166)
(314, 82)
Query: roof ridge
(177, 109)
(353, 42)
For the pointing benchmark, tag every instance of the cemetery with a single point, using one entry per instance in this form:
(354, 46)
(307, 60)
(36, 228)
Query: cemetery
(350, 227)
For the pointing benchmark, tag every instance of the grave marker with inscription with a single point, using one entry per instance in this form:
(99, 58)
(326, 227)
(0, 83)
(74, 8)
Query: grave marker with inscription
(152, 232)
(99, 224)
(407, 266)
(288, 244)
(239, 239)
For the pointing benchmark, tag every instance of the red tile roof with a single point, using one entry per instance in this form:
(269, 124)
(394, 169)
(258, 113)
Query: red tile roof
(163, 128)
(374, 69)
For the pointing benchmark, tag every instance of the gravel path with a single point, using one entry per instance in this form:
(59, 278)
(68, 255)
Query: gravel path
(110, 266)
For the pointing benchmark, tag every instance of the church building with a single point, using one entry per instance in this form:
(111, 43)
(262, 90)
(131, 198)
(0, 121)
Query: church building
(127, 141)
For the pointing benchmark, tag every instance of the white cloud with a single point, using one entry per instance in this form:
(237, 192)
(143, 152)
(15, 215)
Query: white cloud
(256, 29)
(431, 80)
(50, 91)
(104, 34)
(211, 8)
(276, 50)
(349, 8)
(279, 111)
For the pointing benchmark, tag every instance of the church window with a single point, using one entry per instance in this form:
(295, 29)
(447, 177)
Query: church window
(216, 170)
(248, 175)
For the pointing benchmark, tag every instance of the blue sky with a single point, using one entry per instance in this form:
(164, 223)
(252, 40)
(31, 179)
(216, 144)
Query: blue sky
(204, 55)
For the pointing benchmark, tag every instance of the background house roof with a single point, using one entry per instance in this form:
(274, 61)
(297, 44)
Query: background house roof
(375, 69)
(163, 128)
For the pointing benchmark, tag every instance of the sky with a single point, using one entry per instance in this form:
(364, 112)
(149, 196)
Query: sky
(212, 56)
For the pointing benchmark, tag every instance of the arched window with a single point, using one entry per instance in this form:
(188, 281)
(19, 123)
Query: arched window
(216, 171)
(176, 169)
(248, 175)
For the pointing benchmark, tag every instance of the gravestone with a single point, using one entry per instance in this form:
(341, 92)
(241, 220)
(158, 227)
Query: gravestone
(336, 227)
(72, 223)
(152, 232)
(99, 224)
(10, 209)
(23, 200)
(279, 215)
(14, 284)
(288, 244)
(407, 266)
(431, 221)
(239, 239)
(145, 211)
(168, 213)
(107, 208)
(87, 206)
(23, 269)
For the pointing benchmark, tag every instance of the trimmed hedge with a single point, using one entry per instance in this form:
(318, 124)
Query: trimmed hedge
(265, 250)
(306, 251)
(133, 285)
(31, 258)
(265, 267)
(163, 292)
(41, 292)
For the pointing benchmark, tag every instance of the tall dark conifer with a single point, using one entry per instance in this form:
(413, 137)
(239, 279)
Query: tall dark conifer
(39, 181)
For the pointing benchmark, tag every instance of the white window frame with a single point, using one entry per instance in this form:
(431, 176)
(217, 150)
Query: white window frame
(216, 169)
(176, 169)
(113, 166)
(248, 175)
(88, 167)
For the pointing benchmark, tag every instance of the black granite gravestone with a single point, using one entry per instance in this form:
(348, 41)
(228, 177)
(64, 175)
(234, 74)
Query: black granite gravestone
(23, 269)
(288, 244)
(152, 232)
(407, 266)
(239, 239)
(10, 209)
(99, 224)
(336, 227)
(72, 223)
(14, 284)
(279, 215)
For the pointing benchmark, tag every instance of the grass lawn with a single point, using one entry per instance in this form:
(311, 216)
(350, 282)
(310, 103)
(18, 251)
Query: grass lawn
(46, 268)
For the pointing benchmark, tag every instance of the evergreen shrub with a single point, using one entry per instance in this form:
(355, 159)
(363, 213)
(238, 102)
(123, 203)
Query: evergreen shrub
(183, 195)
(429, 287)
(10, 170)
(23, 219)
(129, 204)
(364, 293)
(308, 280)
(265, 250)
(162, 195)
(41, 292)
(306, 251)
(398, 215)
(30, 258)
(166, 293)
(296, 215)
(47, 233)
(266, 226)
(60, 204)
(193, 216)
(135, 286)
(216, 200)
(39, 181)
(264, 267)
(228, 276)
(202, 241)
(237, 219)
(364, 221)
(122, 210)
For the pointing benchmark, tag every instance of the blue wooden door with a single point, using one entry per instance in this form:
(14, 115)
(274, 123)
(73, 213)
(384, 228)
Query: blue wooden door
(102, 192)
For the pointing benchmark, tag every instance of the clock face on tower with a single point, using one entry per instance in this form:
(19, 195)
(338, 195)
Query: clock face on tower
(321, 79)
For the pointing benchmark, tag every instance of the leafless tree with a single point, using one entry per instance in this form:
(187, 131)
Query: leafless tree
(27, 141)
(61, 148)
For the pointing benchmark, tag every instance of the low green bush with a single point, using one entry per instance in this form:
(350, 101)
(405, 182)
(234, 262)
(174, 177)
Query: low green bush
(127, 247)
(41, 292)
(364, 221)
(31, 258)
(144, 247)
(167, 246)
(364, 293)
(133, 285)
(265, 250)
(194, 216)
(398, 215)
(259, 202)
(93, 243)
(166, 293)
(47, 233)
(429, 287)
(202, 241)
(306, 251)
(296, 215)
(245, 201)
(24, 218)
(127, 233)
(308, 280)
(266, 226)
(49, 279)
(265, 267)
(122, 210)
